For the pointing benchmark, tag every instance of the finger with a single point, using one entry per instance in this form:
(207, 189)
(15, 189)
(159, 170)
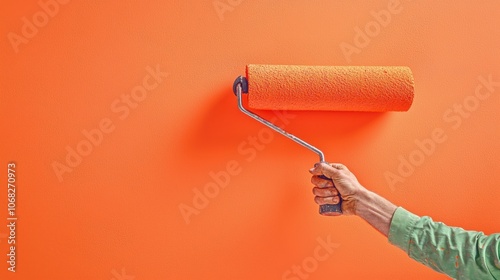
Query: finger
(321, 182)
(325, 192)
(326, 200)
(316, 170)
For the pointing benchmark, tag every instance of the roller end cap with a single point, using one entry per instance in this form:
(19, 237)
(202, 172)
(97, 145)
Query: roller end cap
(244, 84)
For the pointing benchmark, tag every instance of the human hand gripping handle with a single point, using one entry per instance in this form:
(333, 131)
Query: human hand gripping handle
(335, 189)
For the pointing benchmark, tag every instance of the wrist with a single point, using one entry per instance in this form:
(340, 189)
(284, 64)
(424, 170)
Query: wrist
(364, 198)
(375, 209)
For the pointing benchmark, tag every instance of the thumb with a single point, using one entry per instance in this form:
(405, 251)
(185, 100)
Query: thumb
(331, 171)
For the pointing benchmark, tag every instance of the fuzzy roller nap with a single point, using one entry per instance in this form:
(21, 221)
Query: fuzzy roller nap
(327, 88)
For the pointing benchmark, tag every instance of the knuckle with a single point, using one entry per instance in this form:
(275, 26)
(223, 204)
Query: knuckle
(339, 166)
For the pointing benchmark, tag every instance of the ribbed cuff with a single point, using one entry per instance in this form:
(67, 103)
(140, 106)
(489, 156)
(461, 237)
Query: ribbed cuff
(401, 228)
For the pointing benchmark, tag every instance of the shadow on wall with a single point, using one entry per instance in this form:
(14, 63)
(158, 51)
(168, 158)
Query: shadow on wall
(221, 142)
(220, 126)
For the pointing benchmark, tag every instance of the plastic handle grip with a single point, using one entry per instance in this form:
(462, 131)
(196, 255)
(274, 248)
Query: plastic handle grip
(331, 209)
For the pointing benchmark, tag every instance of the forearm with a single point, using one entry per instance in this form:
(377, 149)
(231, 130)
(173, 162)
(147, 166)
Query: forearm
(376, 210)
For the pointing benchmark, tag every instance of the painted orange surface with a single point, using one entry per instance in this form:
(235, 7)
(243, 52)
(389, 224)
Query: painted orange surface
(119, 117)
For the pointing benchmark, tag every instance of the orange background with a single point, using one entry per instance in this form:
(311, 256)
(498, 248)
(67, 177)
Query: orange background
(116, 215)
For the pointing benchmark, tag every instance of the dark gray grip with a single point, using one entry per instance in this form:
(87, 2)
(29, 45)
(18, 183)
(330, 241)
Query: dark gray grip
(331, 209)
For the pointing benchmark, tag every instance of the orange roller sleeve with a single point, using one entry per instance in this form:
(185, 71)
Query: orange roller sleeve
(330, 88)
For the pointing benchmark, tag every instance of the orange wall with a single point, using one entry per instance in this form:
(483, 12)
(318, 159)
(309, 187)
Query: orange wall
(114, 213)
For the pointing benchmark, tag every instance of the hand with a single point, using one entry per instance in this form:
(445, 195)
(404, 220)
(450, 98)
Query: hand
(345, 182)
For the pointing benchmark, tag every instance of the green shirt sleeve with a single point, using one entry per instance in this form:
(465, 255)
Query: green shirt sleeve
(456, 252)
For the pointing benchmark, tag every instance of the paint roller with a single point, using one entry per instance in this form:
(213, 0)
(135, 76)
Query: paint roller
(324, 88)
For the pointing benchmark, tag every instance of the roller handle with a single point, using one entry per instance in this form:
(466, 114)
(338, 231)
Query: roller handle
(331, 209)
